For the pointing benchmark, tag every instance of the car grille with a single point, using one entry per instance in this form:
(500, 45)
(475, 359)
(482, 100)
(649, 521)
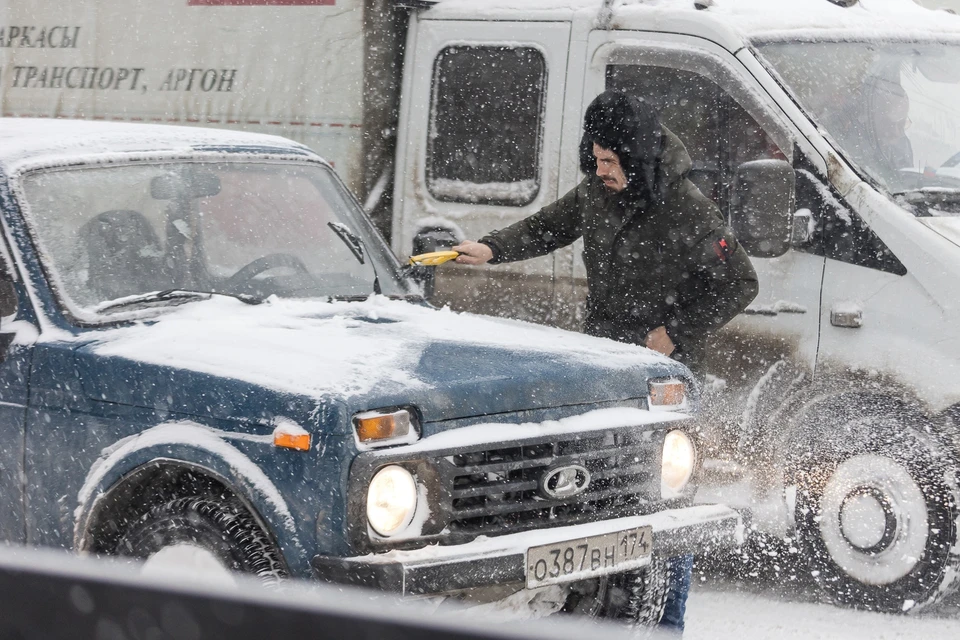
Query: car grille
(496, 490)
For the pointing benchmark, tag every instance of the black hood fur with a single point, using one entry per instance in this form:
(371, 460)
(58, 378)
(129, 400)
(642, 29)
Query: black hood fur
(629, 127)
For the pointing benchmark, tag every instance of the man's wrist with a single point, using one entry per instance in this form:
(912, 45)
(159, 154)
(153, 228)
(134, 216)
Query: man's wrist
(494, 249)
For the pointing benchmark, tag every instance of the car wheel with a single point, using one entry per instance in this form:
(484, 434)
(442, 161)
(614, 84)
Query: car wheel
(635, 597)
(214, 538)
(879, 527)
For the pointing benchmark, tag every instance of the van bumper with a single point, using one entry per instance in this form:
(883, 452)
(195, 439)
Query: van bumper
(503, 559)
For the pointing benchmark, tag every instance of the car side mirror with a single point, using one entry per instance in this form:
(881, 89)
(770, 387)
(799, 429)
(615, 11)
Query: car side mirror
(429, 239)
(762, 207)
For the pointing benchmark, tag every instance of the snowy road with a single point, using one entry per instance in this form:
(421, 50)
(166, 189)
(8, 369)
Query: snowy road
(783, 608)
(722, 615)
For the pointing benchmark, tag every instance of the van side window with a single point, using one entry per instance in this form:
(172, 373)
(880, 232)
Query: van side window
(834, 231)
(716, 130)
(485, 125)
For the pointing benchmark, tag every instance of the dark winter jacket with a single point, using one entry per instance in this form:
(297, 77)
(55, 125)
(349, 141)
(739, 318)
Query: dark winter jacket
(663, 257)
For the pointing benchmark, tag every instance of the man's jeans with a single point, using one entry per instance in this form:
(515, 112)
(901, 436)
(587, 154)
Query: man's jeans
(679, 571)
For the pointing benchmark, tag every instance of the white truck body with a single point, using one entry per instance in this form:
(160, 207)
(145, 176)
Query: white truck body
(842, 380)
(288, 67)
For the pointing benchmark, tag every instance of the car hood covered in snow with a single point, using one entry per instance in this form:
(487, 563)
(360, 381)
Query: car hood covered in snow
(356, 356)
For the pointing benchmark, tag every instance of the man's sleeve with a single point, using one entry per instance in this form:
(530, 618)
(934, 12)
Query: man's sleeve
(722, 284)
(551, 228)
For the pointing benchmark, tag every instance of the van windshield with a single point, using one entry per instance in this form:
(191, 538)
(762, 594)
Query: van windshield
(249, 229)
(892, 109)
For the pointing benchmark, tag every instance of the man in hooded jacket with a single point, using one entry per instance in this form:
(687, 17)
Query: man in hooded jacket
(663, 269)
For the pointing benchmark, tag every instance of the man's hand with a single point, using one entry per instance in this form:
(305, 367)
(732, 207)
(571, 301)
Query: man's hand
(659, 341)
(473, 252)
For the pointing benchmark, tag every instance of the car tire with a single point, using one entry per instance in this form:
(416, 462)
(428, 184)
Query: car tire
(878, 525)
(224, 530)
(634, 597)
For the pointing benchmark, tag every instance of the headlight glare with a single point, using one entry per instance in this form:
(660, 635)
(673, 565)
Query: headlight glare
(391, 500)
(679, 458)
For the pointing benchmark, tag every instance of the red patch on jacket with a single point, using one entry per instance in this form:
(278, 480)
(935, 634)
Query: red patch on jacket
(723, 249)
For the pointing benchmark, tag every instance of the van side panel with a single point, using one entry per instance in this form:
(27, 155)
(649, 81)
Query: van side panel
(294, 70)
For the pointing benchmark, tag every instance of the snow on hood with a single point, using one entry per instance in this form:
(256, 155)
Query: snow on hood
(317, 350)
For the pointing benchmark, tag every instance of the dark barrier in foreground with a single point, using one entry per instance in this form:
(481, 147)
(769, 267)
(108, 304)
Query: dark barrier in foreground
(53, 595)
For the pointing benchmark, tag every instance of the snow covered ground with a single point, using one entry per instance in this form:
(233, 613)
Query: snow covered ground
(719, 614)
(784, 607)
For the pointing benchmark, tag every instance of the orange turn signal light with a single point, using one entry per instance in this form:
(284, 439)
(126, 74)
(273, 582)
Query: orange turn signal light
(669, 393)
(381, 425)
(298, 441)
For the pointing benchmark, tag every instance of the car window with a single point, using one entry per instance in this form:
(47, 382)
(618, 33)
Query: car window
(248, 200)
(106, 233)
(485, 125)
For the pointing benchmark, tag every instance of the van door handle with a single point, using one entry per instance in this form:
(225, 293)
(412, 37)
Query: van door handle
(849, 318)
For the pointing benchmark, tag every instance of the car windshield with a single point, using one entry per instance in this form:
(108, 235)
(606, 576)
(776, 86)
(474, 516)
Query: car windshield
(890, 107)
(241, 227)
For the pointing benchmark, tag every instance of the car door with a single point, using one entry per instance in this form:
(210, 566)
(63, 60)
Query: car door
(865, 292)
(705, 96)
(17, 334)
(478, 150)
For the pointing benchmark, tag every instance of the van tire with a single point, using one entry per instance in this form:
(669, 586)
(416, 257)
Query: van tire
(897, 552)
(634, 597)
(225, 529)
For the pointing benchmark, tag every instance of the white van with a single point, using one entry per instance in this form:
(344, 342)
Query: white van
(828, 134)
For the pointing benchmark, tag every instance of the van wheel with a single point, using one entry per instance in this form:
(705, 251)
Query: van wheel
(879, 527)
(634, 597)
(200, 535)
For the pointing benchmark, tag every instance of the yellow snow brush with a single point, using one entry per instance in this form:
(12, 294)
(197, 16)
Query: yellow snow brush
(433, 258)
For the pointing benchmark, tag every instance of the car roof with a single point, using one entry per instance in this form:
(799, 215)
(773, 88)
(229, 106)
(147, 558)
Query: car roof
(29, 142)
(744, 19)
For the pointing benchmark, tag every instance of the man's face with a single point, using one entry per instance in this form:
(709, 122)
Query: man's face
(609, 169)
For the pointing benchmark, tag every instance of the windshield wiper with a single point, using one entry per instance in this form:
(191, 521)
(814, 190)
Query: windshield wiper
(356, 246)
(167, 295)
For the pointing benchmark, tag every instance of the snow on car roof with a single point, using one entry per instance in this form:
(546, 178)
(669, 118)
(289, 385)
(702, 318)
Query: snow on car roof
(747, 18)
(40, 141)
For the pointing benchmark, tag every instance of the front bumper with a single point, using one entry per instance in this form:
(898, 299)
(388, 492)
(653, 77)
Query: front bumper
(502, 559)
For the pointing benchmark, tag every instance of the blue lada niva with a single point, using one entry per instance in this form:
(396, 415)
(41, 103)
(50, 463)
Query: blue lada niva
(209, 352)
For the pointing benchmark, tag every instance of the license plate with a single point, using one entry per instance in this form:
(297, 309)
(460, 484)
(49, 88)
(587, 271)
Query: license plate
(589, 557)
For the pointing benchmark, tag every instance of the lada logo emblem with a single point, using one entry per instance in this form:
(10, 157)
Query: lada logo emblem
(564, 482)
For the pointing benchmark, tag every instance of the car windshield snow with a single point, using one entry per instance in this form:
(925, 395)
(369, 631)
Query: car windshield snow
(890, 107)
(111, 234)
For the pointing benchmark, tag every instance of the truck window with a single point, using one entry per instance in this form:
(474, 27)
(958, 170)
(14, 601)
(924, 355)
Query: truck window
(485, 125)
(717, 131)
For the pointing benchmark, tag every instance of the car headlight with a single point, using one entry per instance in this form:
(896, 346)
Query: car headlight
(679, 458)
(391, 500)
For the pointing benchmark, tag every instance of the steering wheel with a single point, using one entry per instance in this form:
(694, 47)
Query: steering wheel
(271, 261)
